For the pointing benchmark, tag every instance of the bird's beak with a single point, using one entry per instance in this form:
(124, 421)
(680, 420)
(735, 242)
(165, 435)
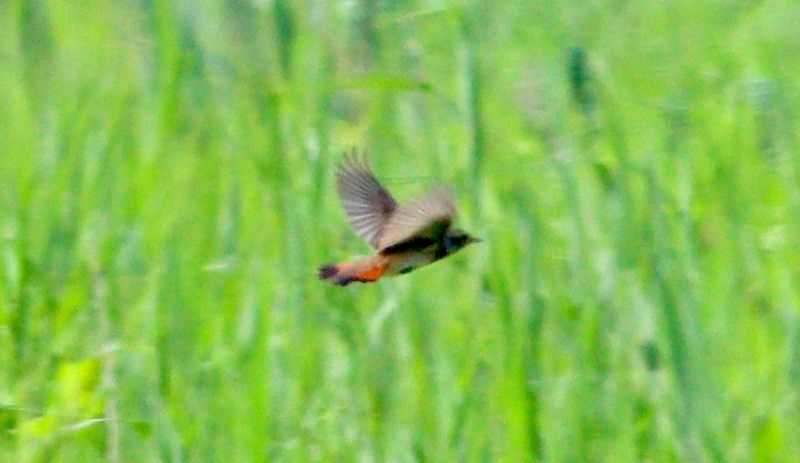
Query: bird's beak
(473, 239)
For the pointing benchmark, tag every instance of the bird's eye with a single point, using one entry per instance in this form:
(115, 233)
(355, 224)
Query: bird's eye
(454, 242)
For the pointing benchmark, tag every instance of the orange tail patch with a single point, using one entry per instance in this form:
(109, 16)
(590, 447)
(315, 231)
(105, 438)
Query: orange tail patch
(343, 274)
(371, 274)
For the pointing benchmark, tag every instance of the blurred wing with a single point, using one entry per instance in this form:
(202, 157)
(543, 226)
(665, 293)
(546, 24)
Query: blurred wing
(366, 202)
(428, 217)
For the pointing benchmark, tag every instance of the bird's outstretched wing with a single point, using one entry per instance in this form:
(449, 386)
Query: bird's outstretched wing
(366, 202)
(430, 216)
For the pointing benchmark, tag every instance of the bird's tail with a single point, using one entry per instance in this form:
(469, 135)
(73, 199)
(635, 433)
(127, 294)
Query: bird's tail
(366, 270)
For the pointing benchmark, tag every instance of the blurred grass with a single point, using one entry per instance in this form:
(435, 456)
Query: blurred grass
(167, 194)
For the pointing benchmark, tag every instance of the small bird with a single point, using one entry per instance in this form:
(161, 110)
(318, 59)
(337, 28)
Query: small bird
(406, 237)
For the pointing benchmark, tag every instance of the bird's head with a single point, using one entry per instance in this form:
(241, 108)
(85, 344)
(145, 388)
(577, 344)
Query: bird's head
(457, 239)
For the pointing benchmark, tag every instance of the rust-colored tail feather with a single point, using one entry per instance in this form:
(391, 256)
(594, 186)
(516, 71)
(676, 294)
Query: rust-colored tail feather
(366, 271)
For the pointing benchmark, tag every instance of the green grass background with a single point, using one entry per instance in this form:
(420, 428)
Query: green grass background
(166, 194)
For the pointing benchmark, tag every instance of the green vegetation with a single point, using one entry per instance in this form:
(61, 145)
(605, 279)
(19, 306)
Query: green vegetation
(166, 195)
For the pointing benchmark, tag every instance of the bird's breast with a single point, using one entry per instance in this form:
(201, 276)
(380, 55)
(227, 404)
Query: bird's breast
(407, 261)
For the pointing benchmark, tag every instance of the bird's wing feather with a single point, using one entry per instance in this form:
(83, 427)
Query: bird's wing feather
(366, 202)
(429, 216)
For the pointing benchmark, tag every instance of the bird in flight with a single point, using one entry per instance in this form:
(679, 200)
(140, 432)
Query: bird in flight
(406, 237)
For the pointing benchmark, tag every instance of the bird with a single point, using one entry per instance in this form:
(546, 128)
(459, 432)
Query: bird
(405, 237)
